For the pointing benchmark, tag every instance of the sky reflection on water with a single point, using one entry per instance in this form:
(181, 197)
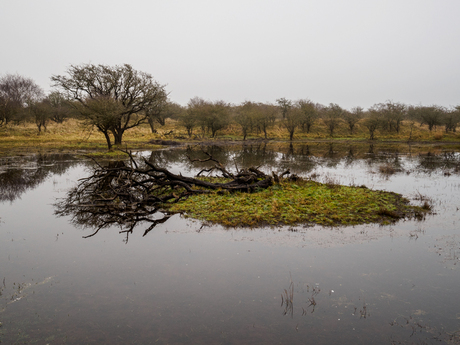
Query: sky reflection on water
(185, 283)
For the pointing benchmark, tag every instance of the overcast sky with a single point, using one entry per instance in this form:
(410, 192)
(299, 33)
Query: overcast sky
(350, 52)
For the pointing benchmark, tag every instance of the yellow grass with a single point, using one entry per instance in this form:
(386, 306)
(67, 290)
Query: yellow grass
(72, 136)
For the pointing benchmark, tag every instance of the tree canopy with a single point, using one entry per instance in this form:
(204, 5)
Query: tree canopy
(111, 98)
(17, 93)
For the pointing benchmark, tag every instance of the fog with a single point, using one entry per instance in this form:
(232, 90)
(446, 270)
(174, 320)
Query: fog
(347, 52)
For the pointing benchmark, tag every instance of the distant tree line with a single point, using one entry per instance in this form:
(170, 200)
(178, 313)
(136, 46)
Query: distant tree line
(202, 117)
(114, 99)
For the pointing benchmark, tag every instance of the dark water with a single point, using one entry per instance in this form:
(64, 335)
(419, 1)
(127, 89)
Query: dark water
(188, 283)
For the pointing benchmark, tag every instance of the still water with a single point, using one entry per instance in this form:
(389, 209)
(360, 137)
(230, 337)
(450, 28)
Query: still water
(187, 282)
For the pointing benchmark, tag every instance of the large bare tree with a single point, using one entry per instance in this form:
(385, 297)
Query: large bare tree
(111, 98)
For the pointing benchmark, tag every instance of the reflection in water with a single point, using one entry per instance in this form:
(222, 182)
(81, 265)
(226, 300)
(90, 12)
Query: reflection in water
(89, 207)
(130, 194)
(119, 195)
(303, 158)
(19, 174)
(445, 161)
(98, 217)
(364, 284)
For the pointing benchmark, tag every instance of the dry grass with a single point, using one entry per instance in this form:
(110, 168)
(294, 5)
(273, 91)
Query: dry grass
(72, 136)
(320, 132)
(69, 136)
(438, 136)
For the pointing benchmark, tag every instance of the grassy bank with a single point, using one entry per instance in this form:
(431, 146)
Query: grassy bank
(300, 202)
(72, 136)
(68, 136)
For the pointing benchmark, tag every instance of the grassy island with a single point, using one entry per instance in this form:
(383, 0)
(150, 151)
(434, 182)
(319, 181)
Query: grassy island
(300, 202)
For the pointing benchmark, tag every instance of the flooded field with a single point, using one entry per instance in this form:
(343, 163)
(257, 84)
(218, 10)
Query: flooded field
(186, 282)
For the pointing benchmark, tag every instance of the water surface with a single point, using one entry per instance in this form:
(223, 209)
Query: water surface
(185, 282)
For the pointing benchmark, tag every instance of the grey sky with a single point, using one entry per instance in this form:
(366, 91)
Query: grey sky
(350, 52)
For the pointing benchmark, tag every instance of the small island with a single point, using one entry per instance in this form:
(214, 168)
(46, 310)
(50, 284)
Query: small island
(300, 202)
(128, 193)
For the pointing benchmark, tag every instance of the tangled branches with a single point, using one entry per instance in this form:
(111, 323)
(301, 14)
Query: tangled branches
(127, 194)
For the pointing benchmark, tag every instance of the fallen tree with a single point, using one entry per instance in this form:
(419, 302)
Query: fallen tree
(126, 194)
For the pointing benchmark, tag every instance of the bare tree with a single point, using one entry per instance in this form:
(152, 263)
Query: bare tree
(431, 116)
(156, 112)
(284, 105)
(332, 116)
(113, 99)
(373, 121)
(189, 118)
(216, 117)
(210, 116)
(17, 93)
(309, 114)
(392, 115)
(265, 117)
(292, 120)
(245, 117)
(352, 117)
(451, 119)
(41, 112)
(412, 118)
(8, 110)
(129, 195)
(61, 109)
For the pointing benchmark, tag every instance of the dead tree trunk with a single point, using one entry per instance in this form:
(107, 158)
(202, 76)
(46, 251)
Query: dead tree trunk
(125, 194)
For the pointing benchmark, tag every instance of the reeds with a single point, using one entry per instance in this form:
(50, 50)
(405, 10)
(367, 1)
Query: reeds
(287, 299)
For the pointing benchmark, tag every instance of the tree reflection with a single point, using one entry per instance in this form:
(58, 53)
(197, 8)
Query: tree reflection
(446, 161)
(350, 157)
(113, 196)
(96, 209)
(97, 216)
(127, 195)
(24, 173)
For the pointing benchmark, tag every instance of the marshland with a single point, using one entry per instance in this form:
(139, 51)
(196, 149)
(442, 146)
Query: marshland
(191, 280)
(138, 220)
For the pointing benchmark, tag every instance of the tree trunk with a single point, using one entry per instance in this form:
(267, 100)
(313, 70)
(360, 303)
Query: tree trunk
(371, 134)
(152, 124)
(117, 135)
(107, 138)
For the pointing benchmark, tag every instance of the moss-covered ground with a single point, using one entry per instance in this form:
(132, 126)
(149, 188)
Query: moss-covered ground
(300, 202)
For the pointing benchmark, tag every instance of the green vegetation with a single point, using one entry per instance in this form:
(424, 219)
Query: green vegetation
(299, 202)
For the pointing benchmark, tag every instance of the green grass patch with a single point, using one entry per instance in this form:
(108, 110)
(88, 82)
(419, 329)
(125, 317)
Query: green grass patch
(302, 202)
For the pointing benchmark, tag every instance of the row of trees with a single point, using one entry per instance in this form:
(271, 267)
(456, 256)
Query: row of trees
(303, 115)
(114, 99)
